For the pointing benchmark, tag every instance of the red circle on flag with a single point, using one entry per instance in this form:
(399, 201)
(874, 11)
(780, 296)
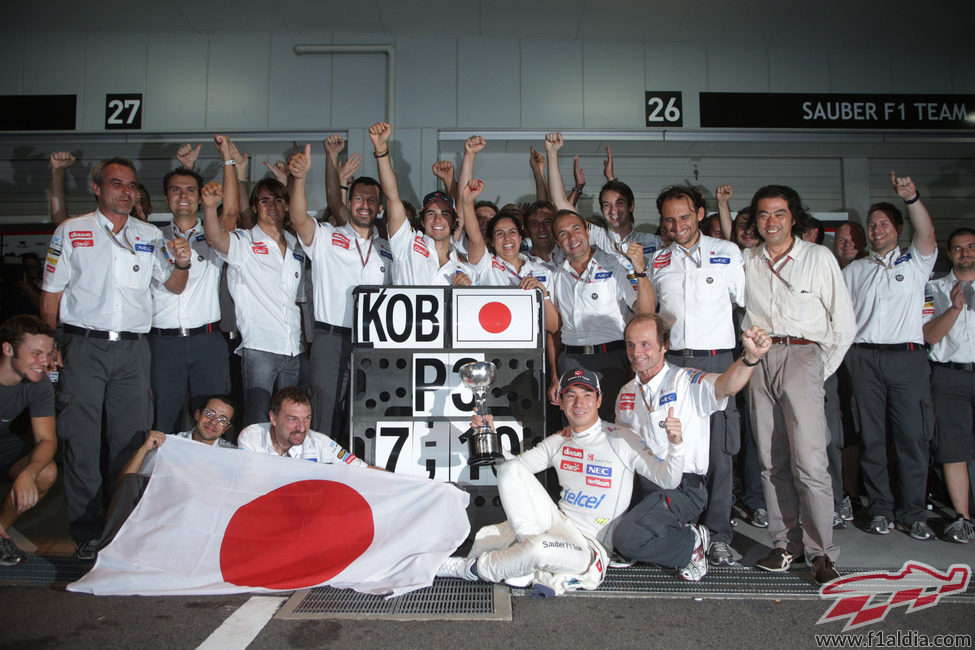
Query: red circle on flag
(494, 317)
(296, 536)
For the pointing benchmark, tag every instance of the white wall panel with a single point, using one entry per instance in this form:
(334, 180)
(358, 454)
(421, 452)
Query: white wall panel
(798, 71)
(551, 84)
(488, 82)
(738, 69)
(114, 63)
(359, 80)
(55, 65)
(176, 82)
(920, 72)
(237, 86)
(679, 67)
(301, 86)
(613, 85)
(11, 62)
(859, 72)
(426, 81)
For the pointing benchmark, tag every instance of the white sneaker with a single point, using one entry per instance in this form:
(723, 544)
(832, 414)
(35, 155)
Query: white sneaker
(521, 582)
(697, 568)
(458, 567)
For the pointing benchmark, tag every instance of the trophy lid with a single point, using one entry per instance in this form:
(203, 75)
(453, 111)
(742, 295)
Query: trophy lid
(477, 373)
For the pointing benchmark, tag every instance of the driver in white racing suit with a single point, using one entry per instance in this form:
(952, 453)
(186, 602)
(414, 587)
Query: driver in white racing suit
(560, 547)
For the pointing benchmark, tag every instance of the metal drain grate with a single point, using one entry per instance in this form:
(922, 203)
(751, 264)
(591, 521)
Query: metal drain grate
(446, 599)
(37, 570)
(643, 581)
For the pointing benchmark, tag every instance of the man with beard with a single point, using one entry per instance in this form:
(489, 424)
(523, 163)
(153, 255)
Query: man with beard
(342, 258)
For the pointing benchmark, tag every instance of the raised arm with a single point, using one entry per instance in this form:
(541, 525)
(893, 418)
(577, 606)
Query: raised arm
(924, 239)
(475, 241)
(244, 218)
(231, 200)
(646, 296)
(187, 155)
(298, 166)
(60, 162)
(347, 172)
(608, 171)
(755, 343)
(217, 236)
(334, 144)
(380, 134)
(724, 194)
(556, 188)
(536, 162)
(444, 170)
(579, 176)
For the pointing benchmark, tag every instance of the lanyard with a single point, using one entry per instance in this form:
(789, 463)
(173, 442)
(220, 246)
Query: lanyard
(689, 254)
(124, 245)
(368, 253)
(775, 271)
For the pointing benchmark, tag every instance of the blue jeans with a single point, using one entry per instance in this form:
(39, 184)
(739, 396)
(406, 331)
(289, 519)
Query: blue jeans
(262, 374)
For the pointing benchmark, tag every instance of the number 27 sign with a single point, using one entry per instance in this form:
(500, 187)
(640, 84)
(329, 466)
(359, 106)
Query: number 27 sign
(664, 108)
(123, 111)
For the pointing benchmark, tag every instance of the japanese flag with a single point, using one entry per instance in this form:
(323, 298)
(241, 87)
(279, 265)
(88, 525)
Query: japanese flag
(495, 318)
(217, 521)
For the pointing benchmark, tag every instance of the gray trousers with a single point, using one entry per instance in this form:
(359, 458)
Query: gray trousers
(331, 354)
(99, 376)
(894, 387)
(196, 364)
(786, 398)
(655, 529)
(725, 442)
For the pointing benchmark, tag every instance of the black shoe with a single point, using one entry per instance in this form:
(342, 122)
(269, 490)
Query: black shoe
(778, 560)
(823, 570)
(10, 553)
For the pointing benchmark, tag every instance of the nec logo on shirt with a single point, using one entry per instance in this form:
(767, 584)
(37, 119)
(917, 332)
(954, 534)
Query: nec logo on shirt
(145, 248)
(338, 239)
(627, 401)
(720, 260)
(260, 249)
(419, 246)
(669, 397)
(647, 250)
(571, 466)
(385, 253)
(299, 257)
(599, 470)
(603, 275)
(571, 452)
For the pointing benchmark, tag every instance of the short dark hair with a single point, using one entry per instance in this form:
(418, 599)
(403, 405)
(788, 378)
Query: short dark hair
(290, 393)
(808, 223)
(14, 329)
(617, 186)
(182, 171)
(368, 181)
(275, 187)
(98, 171)
(663, 327)
(680, 192)
(958, 232)
(226, 399)
(562, 213)
(539, 205)
(493, 223)
(892, 211)
(487, 204)
(791, 197)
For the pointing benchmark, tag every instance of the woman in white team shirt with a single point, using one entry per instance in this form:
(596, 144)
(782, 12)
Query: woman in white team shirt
(507, 266)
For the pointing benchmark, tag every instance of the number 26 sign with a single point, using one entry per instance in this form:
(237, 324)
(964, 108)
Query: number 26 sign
(123, 111)
(664, 108)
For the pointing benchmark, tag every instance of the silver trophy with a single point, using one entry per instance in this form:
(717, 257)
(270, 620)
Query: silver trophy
(484, 443)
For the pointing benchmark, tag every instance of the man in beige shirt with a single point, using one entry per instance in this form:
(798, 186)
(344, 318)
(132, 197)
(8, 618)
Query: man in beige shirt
(794, 291)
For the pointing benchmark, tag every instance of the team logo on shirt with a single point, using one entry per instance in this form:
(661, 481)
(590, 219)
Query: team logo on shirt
(571, 466)
(79, 234)
(145, 248)
(596, 481)
(647, 250)
(201, 237)
(603, 275)
(719, 260)
(902, 259)
(627, 401)
(385, 253)
(420, 246)
(662, 260)
(338, 239)
(667, 397)
(81, 239)
(299, 257)
(346, 457)
(572, 452)
(695, 376)
(599, 470)
(260, 248)
(927, 311)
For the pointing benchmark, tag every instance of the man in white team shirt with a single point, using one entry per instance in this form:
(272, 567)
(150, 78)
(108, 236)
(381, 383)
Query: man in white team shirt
(289, 433)
(655, 530)
(564, 547)
(426, 258)
(342, 258)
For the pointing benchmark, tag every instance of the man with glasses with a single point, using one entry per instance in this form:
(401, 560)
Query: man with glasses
(212, 423)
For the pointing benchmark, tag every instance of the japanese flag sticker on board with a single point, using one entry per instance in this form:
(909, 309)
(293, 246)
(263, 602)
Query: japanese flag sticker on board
(496, 318)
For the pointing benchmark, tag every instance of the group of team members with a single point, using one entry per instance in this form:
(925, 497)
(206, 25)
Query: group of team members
(140, 314)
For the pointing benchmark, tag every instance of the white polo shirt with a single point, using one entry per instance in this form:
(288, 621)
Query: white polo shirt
(415, 260)
(607, 240)
(341, 260)
(696, 289)
(105, 278)
(644, 407)
(492, 271)
(316, 447)
(888, 294)
(593, 306)
(958, 345)
(199, 304)
(265, 287)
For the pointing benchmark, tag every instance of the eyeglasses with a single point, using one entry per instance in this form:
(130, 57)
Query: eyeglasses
(212, 415)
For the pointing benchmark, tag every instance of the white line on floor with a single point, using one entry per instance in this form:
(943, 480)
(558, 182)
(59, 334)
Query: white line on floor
(244, 625)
